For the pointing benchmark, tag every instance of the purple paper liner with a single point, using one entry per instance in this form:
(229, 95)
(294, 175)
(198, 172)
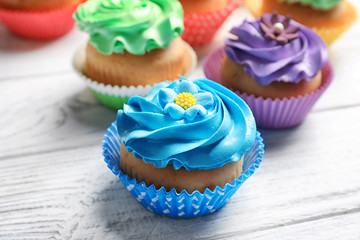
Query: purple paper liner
(269, 113)
(173, 204)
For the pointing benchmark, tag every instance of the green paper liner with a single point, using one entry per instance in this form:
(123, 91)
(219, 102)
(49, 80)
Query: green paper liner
(113, 102)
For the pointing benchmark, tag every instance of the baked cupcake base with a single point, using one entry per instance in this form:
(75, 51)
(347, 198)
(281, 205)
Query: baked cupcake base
(180, 179)
(233, 72)
(115, 96)
(126, 69)
(328, 24)
(39, 24)
(269, 113)
(171, 203)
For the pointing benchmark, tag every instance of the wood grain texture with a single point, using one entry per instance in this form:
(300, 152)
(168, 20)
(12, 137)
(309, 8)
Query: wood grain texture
(36, 192)
(70, 194)
(23, 58)
(55, 184)
(43, 114)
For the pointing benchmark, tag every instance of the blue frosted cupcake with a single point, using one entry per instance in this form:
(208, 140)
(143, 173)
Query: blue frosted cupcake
(185, 148)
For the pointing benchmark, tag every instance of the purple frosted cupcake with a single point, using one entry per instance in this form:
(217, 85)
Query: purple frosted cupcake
(279, 67)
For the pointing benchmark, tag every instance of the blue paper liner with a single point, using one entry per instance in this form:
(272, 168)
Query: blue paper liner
(173, 204)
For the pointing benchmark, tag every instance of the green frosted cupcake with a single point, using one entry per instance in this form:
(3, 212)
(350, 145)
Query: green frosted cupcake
(133, 44)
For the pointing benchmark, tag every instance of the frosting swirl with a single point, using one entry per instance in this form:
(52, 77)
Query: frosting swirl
(319, 4)
(136, 26)
(267, 60)
(216, 129)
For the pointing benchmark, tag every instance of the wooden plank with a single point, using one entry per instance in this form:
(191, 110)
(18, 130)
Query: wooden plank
(344, 226)
(72, 194)
(23, 57)
(36, 192)
(46, 114)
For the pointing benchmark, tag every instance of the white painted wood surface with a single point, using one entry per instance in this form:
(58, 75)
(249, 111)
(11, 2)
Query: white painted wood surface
(54, 183)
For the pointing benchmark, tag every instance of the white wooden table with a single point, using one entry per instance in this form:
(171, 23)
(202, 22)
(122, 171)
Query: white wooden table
(55, 184)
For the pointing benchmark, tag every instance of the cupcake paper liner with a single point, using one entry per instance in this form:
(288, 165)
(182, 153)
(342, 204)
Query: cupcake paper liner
(115, 97)
(328, 33)
(269, 113)
(39, 24)
(173, 204)
(200, 28)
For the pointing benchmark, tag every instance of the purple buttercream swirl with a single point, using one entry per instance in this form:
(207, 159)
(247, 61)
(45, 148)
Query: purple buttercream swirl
(267, 60)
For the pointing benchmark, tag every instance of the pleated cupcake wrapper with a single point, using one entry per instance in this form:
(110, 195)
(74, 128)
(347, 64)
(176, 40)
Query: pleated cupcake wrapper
(328, 34)
(269, 113)
(39, 24)
(173, 204)
(111, 101)
(115, 97)
(200, 28)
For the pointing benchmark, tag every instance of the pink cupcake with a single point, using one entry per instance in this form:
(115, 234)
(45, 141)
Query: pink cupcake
(279, 67)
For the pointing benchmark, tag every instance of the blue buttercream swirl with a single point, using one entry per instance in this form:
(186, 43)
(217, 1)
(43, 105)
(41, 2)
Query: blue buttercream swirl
(217, 130)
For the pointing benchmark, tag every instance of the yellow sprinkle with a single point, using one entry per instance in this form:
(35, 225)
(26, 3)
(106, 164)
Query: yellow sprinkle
(185, 100)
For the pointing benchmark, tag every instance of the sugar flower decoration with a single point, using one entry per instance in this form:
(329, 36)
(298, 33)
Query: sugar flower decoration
(278, 31)
(185, 100)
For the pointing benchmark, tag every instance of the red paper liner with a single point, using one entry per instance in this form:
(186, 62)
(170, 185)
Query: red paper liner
(272, 113)
(200, 28)
(39, 24)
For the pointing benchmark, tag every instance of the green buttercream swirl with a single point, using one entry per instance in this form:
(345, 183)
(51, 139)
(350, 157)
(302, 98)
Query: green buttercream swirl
(136, 26)
(318, 4)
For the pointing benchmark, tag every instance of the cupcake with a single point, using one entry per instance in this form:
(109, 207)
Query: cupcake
(276, 65)
(38, 19)
(133, 43)
(329, 18)
(202, 18)
(183, 150)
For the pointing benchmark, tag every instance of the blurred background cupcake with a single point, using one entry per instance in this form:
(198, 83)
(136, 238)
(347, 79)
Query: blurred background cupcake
(278, 66)
(38, 19)
(202, 18)
(185, 148)
(329, 18)
(133, 43)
